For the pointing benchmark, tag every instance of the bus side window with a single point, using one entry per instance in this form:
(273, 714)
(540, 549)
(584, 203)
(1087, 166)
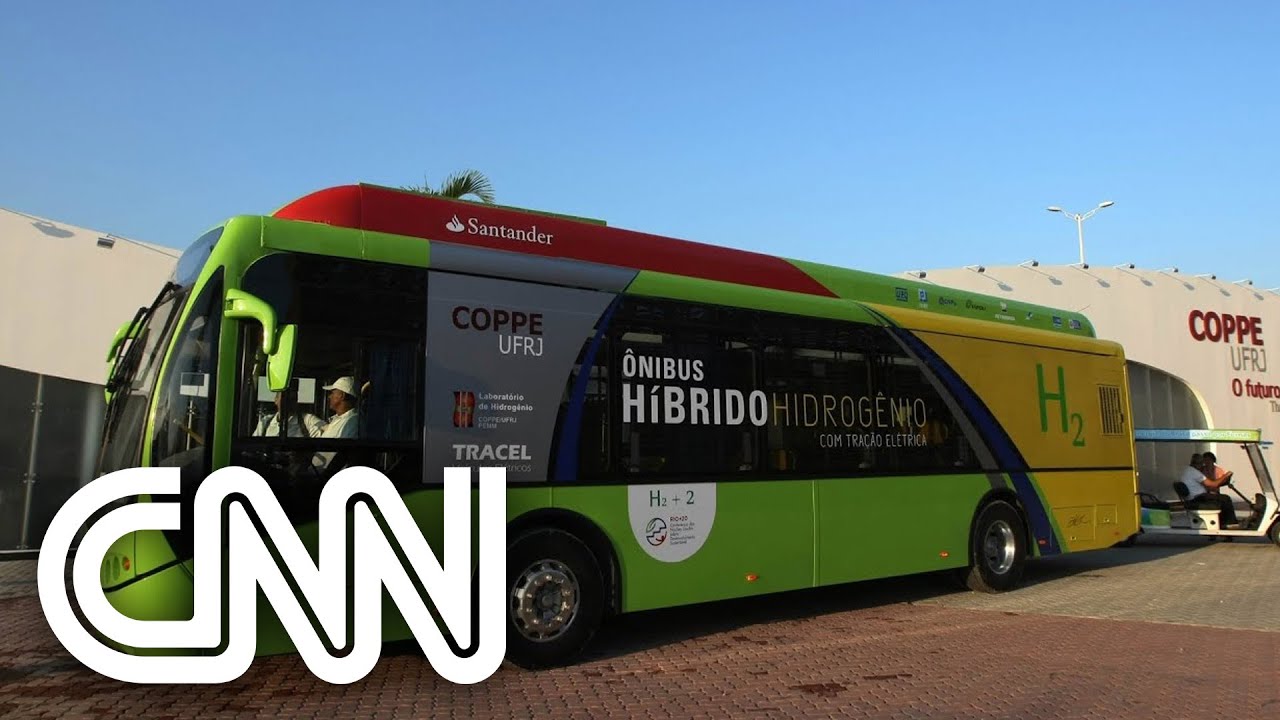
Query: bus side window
(678, 367)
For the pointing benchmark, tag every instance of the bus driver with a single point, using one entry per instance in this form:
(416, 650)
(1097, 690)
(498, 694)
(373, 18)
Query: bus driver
(342, 401)
(344, 423)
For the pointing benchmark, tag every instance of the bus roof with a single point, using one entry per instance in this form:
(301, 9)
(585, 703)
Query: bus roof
(1196, 435)
(398, 212)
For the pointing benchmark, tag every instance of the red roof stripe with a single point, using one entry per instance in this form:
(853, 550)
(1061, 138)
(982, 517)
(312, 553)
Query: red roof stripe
(401, 213)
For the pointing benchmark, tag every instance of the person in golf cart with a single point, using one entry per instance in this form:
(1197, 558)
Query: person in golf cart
(1204, 487)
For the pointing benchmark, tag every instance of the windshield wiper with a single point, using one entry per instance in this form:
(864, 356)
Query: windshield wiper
(113, 382)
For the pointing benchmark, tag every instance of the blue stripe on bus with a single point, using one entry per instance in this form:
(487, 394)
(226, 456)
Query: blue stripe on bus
(1001, 445)
(567, 452)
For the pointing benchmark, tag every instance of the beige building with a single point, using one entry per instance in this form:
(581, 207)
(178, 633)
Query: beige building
(64, 292)
(1203, 351)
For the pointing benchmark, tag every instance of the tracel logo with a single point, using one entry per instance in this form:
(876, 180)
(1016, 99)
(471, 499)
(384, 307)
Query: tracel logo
(252, 567)
(455, 224)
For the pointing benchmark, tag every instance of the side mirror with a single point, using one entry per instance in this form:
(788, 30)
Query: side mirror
(280, 363)
(119, 339)
(243, 306)
(278, 344)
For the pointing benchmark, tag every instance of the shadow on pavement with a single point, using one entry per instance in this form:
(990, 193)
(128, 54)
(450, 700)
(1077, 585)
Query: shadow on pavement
(640, 631)
(1080, 564)
(645, 630)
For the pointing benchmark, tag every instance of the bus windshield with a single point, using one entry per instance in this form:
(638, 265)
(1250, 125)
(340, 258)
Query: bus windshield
(133, 378)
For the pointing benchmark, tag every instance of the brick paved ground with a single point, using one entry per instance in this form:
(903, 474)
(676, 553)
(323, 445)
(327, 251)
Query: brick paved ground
(17, 579)
(895, 649)
(1235, 585)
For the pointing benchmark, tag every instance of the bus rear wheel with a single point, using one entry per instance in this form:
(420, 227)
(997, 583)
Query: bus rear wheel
(555, 598)
(998, 548)
(1274, 533)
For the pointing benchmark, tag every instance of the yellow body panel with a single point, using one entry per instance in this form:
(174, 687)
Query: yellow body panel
(1047, 399)
(1092, 510)
(1064, 402)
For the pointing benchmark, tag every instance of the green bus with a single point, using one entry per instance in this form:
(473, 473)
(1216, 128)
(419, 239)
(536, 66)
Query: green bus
(680, 423)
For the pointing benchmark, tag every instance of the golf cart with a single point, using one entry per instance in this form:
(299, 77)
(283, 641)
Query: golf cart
(1174, 517)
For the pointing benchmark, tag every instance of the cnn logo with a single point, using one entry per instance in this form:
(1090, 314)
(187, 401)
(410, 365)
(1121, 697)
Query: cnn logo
(323, 584)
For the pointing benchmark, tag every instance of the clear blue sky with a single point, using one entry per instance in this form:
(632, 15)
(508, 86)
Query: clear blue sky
(879, 135)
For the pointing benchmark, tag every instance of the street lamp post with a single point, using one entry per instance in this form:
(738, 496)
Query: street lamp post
(1080, 221)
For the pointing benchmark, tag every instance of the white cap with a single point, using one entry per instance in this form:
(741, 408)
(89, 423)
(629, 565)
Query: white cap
(346, 384)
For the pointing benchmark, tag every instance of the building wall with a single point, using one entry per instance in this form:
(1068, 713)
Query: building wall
(64, 296)
(1173, 323)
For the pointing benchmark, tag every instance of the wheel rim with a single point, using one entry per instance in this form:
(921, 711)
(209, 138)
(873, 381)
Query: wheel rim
(544, 600)
(999, 547)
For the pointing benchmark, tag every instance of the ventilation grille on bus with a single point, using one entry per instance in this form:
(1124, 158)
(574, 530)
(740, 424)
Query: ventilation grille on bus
(1109, 400)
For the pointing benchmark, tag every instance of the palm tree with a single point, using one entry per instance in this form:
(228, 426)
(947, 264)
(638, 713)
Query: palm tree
(458, 186)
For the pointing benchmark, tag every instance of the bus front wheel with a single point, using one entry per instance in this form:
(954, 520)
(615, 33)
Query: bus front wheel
(555, 599)
(998, 548)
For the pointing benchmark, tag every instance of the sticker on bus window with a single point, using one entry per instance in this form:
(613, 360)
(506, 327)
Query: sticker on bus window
(306, 390)
(193, 385)
(671, 522)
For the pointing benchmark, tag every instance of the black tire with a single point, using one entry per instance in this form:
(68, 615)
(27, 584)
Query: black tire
(1274, 533)
(544, 565)
(998, 548)
(1127, 542)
